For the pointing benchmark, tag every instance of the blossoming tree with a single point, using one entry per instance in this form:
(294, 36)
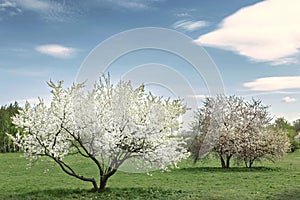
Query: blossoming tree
(237, 128)
(109, 125)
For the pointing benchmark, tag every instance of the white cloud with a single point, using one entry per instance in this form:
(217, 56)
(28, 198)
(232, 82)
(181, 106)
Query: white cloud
(10, 8)
(269, 93)
(29, 73)
(288, 100)
(189, 25)
(182, 14)
(56, 50)
(35, 5)
(33, 100)
(198, 96)
(46, 9)
(130, 4)
(266, 31)
(274, 83)
(7, 4)
(133, 5)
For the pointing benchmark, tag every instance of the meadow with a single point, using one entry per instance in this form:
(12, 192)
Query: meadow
(204, 180)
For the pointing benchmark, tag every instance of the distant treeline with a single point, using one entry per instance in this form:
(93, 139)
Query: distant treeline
(6, 126)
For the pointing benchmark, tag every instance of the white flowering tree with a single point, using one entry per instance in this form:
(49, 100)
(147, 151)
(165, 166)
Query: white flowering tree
(219, 120)
(269, 143)
(239, 128)
(108, 125)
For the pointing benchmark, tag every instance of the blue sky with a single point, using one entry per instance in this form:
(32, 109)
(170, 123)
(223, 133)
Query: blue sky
(254, 44)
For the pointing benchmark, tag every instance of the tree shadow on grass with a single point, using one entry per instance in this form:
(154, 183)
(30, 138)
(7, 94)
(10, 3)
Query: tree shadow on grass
(231, 169)
(109, 193)
(51, 194)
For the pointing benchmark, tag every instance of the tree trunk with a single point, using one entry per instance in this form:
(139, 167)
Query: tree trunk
(228, 161)
(103, 181)
(250, 163)
(246, 163)
(104, 178)
(222, 162)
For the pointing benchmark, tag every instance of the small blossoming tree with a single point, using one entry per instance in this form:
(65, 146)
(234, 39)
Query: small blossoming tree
(237, 128)
(269, 143)
(109, 125)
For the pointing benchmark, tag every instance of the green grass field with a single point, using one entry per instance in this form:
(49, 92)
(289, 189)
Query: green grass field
(205, 180)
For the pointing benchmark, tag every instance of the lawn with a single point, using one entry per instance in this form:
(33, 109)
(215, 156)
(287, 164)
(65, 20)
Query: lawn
(205, 180)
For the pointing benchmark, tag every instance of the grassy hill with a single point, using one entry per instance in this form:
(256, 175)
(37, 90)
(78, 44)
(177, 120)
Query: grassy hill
(205, 180)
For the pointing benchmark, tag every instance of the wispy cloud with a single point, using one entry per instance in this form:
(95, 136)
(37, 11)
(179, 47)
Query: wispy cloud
(22, 102)
(133, 5)
(288, 99)
(268, 93)
(182, 14)
(56, 50)
(267, 31)
(46, 9)
(7, 4)
(130, 4)
(33, 100)
(189, 25)
(10, 8)
(28, 73)
(35, 5)
(198, 96)
(274, 83)
(23, 72)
